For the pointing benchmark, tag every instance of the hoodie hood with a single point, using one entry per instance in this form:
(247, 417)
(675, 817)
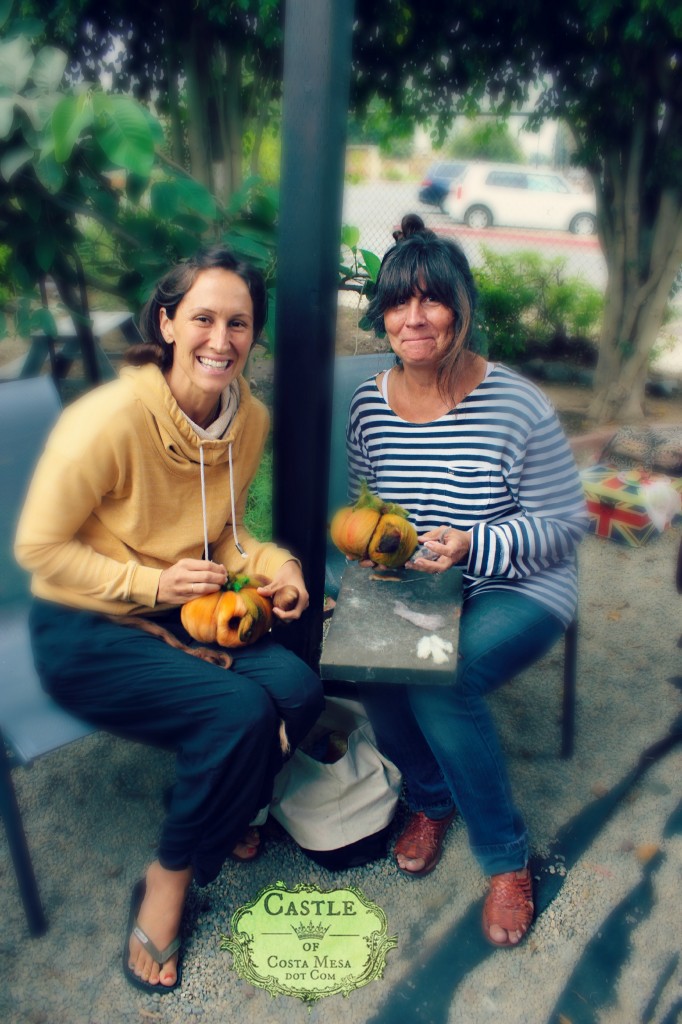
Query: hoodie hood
(174, 432)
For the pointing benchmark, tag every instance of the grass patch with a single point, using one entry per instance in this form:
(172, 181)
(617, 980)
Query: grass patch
(258, 515)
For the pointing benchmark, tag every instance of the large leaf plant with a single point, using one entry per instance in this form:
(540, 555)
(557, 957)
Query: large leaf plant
(90, 201)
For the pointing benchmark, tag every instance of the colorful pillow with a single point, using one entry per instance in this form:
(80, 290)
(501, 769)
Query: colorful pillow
(654, 448)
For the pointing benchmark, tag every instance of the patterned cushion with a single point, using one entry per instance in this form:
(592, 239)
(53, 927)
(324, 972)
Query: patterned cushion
(655, 448)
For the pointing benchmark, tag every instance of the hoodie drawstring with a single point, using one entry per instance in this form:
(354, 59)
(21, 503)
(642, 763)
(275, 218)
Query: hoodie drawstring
(240, 549)
(203, 500)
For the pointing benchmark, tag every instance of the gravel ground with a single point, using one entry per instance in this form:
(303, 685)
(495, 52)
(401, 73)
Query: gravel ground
(605, 944)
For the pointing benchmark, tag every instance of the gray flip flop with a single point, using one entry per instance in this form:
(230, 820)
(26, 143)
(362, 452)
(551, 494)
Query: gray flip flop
(160, 955)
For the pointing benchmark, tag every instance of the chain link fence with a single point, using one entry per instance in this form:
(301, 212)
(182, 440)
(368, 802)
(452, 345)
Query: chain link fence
(514, 258)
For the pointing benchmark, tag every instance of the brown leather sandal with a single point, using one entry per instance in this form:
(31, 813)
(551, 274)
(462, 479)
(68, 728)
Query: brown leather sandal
(248, 847)
(509, 905)
(422, 839)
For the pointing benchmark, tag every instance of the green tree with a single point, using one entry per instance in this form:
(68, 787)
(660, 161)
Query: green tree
(487, 139)
(213, 71)
(377, 126)
(58, 149)
(612, 71)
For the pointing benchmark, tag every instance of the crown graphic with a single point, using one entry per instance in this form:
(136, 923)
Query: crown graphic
(310, 931)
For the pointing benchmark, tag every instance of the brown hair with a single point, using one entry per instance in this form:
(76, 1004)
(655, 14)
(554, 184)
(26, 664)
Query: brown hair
(431, 265)
(171, 290)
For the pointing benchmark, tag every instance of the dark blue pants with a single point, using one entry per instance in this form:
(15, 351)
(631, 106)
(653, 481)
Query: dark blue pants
(222, 724)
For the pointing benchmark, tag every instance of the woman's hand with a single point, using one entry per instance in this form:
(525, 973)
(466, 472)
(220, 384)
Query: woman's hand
(289, 575)
(450, 546)
(188, 578)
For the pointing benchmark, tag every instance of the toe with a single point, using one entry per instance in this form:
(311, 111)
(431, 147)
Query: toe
(498, 935)
(410, 863)
(168, 973)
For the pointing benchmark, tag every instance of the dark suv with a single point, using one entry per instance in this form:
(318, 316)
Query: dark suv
(437, 182)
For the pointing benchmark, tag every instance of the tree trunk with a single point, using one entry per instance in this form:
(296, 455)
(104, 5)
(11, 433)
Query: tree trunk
(227, 90)
(642, 240)
(73, 293)
(177, 135)
(197, 71)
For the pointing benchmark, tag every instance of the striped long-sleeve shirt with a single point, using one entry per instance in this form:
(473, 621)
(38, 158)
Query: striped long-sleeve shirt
(498, 465)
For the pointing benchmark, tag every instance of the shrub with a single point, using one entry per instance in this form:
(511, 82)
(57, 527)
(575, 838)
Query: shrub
(524, 297)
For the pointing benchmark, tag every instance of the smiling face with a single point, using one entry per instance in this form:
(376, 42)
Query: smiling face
(420, 329)
(212, 335)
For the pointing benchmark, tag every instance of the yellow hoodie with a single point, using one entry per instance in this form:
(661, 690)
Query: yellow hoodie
(116, 497)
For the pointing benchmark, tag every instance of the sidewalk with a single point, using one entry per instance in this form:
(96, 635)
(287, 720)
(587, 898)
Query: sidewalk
(607, 839)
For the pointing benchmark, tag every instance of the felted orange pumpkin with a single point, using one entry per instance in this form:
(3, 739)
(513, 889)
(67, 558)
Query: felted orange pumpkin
(237, 615)
(374, 529)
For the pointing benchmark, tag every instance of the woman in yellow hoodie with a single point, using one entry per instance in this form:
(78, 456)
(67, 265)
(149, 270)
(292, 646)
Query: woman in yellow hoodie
(135, 507)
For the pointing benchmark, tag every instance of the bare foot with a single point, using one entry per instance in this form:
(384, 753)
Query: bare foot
(159, 917)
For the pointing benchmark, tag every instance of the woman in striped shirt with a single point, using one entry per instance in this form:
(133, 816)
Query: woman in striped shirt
(476, 455)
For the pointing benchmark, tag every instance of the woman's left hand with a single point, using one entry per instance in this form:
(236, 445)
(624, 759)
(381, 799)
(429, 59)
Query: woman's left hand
(451, 546)
(289, 575)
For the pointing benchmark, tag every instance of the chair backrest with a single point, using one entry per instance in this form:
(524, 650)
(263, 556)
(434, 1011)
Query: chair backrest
(28, 410)
(349, 371)
(32, 724)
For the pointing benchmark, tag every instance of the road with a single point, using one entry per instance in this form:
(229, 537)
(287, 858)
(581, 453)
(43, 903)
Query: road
(376, 208)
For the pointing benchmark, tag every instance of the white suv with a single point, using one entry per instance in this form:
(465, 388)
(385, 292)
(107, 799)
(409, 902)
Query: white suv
(510, 195)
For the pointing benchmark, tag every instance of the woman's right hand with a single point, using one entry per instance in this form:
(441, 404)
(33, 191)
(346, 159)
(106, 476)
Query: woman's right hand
(188, 578)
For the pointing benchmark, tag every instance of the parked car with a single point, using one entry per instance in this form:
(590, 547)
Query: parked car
(437, 181)
(516, 196)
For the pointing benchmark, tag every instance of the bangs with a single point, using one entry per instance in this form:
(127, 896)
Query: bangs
(434, 267)
(414, 272)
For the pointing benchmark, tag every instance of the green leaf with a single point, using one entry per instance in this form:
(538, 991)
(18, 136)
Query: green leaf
(135, 186)
(248, 247)
(12, 160)
(163, 199)
(50, 174)
(350, 236)
(123, 132)
(45, 250)
(195, 198)
(48, 68)
(372, 263)
(30, 27)
(43, 321)
(16, 59)
(5, 9)
(70, 118)
(6, 116)
(3, 325)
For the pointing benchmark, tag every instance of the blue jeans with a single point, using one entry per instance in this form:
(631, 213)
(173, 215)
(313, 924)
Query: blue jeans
(443, 738)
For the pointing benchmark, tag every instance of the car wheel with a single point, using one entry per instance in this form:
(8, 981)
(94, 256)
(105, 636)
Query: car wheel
(478, 217)
(583, 224)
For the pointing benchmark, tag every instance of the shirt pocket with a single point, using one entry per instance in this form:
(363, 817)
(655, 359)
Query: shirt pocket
(472, 483)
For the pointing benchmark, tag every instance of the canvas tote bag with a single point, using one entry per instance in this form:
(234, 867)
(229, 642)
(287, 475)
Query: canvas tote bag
(338, 811)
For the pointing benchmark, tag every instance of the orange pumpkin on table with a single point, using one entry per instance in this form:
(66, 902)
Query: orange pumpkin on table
(376, 529)
(237, 615)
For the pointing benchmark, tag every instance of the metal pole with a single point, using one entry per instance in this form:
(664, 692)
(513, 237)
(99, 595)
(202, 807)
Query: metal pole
(317, 54)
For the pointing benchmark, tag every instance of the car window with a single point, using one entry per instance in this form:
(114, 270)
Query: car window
(446, 170)
(507, 179)
(546, 183)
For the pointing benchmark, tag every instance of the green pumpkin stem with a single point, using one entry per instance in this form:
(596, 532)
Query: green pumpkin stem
(235, 583)
(366, 499)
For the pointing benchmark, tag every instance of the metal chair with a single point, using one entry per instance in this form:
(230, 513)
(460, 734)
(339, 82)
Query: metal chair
(31, 724)
(349, 372)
